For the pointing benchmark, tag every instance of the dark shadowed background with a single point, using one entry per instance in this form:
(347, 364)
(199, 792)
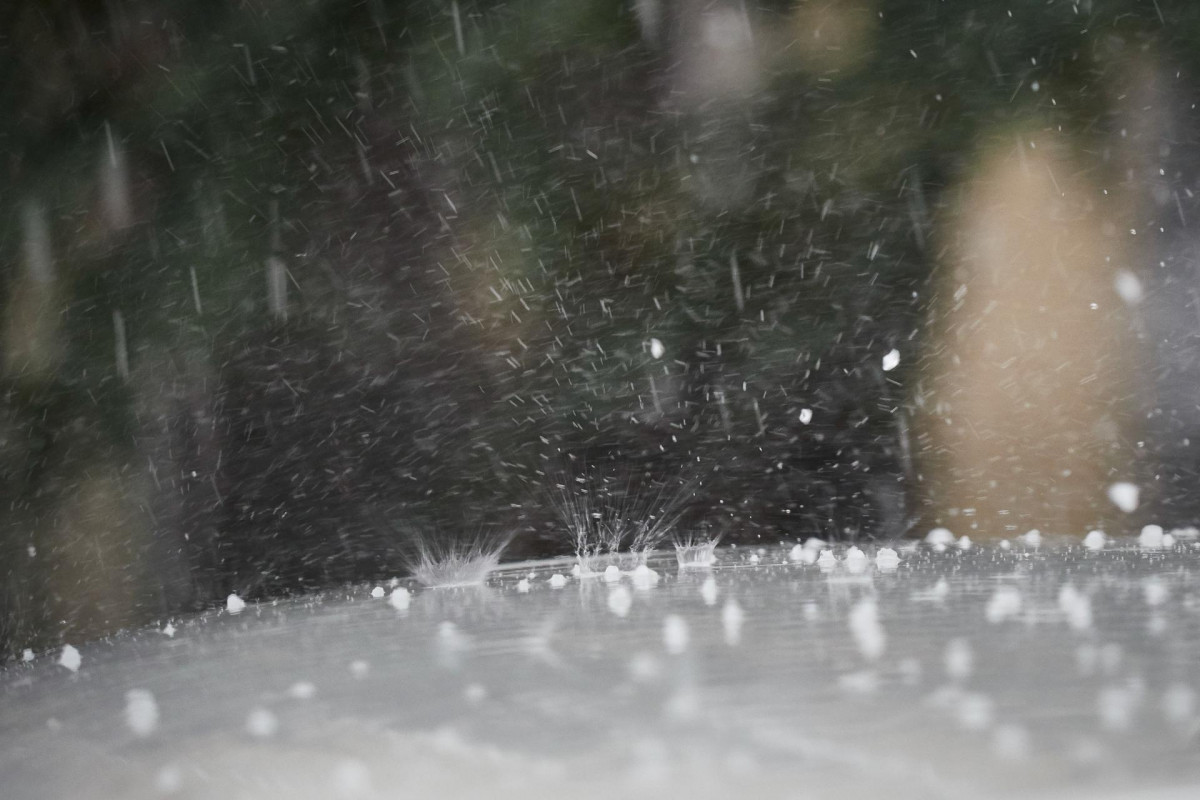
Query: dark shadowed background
(283, 280)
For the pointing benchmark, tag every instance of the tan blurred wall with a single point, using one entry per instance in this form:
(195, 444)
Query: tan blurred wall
(1036, 369)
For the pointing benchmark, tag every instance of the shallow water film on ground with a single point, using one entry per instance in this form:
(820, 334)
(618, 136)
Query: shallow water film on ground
(302, 296)
(1054, 669)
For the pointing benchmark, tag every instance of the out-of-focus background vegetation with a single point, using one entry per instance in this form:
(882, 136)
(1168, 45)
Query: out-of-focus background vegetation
(282, 279)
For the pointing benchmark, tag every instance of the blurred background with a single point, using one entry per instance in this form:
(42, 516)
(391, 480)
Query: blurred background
(284, 279)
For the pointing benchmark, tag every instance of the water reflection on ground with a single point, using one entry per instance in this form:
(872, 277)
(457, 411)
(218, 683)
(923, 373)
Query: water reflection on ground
(935, 670)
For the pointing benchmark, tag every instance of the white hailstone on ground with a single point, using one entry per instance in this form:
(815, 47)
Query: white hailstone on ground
(886, 558)
(1151, 537)
(1004, 604)
(400, 598)
(708, 590)
(1076, 606)
(141, 712)
(645, 667)
(1124, 495)
(452, 644)
(963, 543)
(827, 559)
(620, 600)
(656, 348)
(235, 604)
(1011, 742)
(612, 573)
(856, 561)
(70, 658)
(523, 585)
(684, 702)
(169, 779)
(1031, 538)
(675, 634)
(644, 577)
(169, 631)
(805, 416)
(1155, 591)
(1128, 286)
(1095, 540)
(891, 360)
(732, 618)
(868, 633)
(261, 723)
(1168, 541)
(803, 554)
(959, 659)
(558, 580)
(1117, 706)
(377, 592)
(975, 711)
(1005, 544)
(864, 681)
(1179, 704)
(27, 655)
(939, 537)
(351, 780)
(302, 690)
(1087, 752)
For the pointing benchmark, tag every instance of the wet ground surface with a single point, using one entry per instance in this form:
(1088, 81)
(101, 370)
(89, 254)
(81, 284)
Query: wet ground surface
(1053, 670)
